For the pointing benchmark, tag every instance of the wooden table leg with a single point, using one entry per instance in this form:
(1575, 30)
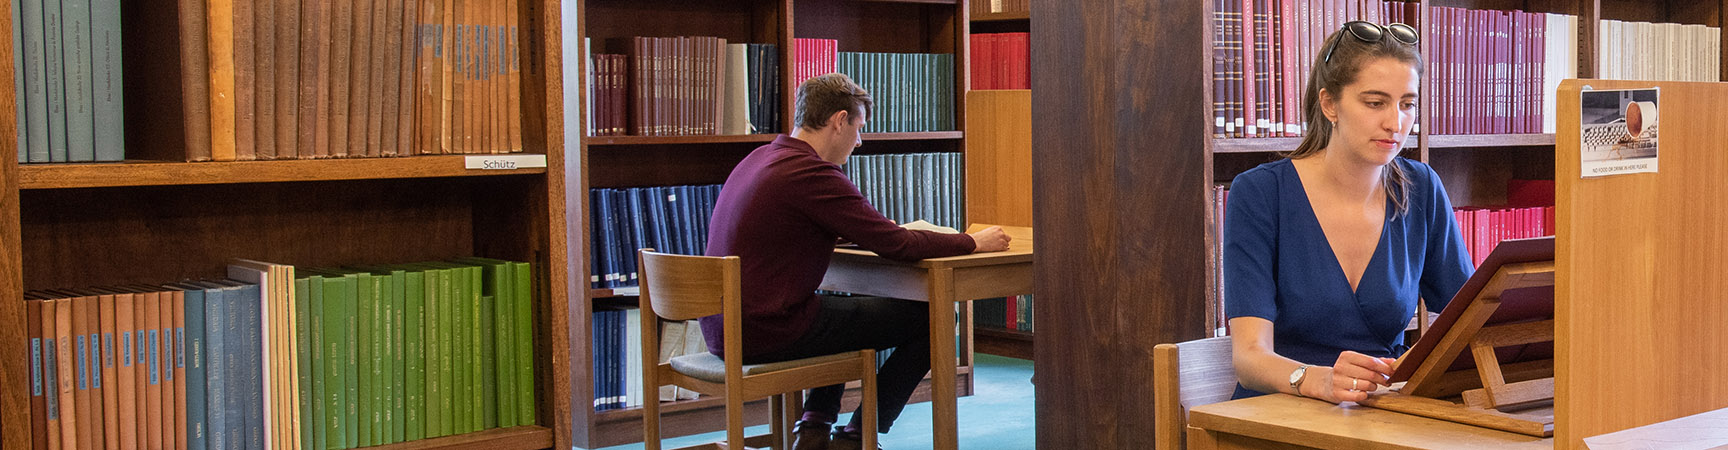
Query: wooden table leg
(942, 395)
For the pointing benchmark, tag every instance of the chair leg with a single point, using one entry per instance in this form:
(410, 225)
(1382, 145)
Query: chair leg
(777, 426)
(790, 413)
(650, 418)
(868, 397)
(735, 421)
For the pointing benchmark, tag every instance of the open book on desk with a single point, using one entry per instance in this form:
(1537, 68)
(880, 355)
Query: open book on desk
(1015, 233)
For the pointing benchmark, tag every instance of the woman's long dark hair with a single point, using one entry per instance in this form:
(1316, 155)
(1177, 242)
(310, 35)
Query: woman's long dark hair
(1348, 58)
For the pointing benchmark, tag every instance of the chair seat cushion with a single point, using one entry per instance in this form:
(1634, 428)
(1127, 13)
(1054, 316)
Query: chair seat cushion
(707, 367)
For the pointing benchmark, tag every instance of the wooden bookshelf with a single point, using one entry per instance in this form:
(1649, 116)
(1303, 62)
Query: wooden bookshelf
(1003, 342)
(898, 26)
(1002, 17)
(159, 173)
(156, 221)
(1143, 191)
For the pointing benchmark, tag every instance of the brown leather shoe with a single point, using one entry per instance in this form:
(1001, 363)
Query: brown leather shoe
(810, 436)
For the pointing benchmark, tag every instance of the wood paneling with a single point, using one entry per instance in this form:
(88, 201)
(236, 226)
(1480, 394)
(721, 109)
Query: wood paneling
(1640, 258)
(999, 158)
(14, 371)
(1122, 176)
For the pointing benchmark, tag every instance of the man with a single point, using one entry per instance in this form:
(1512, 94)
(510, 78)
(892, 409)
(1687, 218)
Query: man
(780, 212)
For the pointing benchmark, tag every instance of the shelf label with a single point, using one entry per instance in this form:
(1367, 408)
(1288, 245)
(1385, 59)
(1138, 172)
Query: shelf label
(505, 162)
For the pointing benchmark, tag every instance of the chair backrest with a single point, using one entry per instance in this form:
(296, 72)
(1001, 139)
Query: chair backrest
(683, 287)
(1186, 375)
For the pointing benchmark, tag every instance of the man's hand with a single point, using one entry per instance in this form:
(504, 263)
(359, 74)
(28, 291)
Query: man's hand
(989, 240)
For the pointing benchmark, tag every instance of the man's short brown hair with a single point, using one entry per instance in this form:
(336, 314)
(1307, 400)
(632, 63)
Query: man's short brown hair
(825, 95)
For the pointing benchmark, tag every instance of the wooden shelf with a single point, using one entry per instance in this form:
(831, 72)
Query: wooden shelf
(594, 141)
(1490, 140)
(679, 140)
(612, 293)
(1002, 16)
(933, 2)
(154, 173)
(513, 438)
(1266, 145)
(1003, 342)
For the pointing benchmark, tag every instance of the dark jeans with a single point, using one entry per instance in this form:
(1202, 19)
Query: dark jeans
(856, 323)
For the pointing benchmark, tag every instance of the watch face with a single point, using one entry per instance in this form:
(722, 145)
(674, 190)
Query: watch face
(1296, 376)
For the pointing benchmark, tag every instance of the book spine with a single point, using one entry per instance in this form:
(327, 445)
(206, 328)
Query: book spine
(216, 366)
(408, 64)
(222, 69)
(366, 319)
(503, 339)
(414, 357)
(335, 359)
(107, 374)
(247, 77)
(33, 73)
(351, 357)
(51, 373)
(151, 356)
(341, 62)
(109, 120)
(263, 80)
(38, 393)
(314, 122)
(80, 101)
(316, 351)
(475, 328)
(360, 80)
(303, 389)
(398, 380)
(288, 75)
(182, 424)
(524, 344)
(197, 376)
(434, 355)
(54, 46)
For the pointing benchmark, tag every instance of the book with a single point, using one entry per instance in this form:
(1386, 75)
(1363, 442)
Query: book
(54, 45)
(64, 312)
(107, 93)
(193, 308)
(263, 78)
(304, 396)
(286, 19)
(315, 65)
(80, 107)
(38, 394)
(222, 81)
(51, 370)
(107, 374)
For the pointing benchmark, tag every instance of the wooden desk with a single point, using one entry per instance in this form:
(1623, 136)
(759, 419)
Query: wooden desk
(1288, 421)
(945, 283)
(1705, 430)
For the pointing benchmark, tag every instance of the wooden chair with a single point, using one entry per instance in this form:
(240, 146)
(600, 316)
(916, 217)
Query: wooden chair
(679, 287)
(1186, 375)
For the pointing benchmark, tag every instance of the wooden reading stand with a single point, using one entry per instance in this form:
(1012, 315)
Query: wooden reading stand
(1503, 316)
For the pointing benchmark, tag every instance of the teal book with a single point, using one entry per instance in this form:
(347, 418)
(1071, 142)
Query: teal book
(34, 75)
(303, 396)
(414, 358)
(53, 44)
(80, 101)
(105, 55)
(197, 393)
(215, 363)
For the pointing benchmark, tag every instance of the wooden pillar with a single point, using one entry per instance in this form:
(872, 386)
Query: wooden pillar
(1120, 178)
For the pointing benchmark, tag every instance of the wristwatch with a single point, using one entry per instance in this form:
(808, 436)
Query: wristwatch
(1296, 378)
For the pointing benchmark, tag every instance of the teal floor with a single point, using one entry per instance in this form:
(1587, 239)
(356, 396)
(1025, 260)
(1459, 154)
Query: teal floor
(998, 417)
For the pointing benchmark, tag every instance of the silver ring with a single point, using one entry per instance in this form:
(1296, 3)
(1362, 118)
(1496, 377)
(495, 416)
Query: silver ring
(1353, 384)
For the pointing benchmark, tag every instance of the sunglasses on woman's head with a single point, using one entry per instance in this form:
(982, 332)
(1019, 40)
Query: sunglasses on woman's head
(1373, 33)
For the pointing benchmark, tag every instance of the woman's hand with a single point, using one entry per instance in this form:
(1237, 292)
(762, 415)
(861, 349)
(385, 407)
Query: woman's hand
(1351, 378)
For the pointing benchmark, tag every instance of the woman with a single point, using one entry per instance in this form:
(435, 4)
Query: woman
(1327, 251)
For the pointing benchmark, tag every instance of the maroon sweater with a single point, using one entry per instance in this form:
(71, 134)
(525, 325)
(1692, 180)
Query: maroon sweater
(780, 212)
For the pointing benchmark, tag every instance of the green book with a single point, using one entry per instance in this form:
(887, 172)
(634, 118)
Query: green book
(476, 342)
(351, 354)
(303, 360)
(524, 342)
(414, 358)
(394, 370)
(434, 359)
(499, 282)
(448, 359)
(335, 360)
(378, 329)
(461, 352)
(360, 403)
(488, 369)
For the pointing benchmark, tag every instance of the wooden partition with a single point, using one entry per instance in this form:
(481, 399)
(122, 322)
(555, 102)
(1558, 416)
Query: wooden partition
(1642, 269)
(999, 157)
